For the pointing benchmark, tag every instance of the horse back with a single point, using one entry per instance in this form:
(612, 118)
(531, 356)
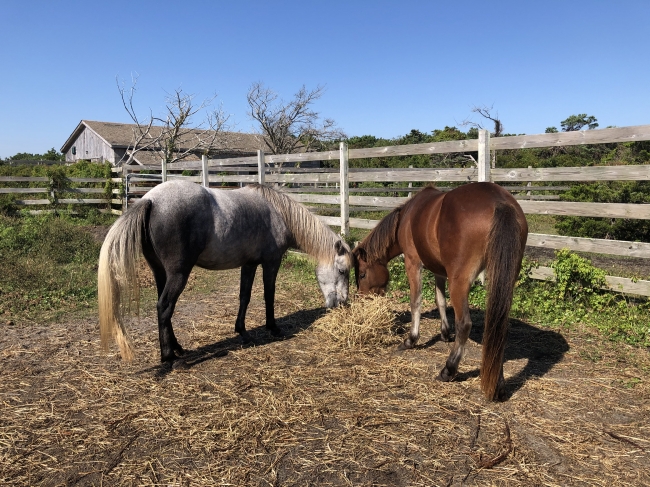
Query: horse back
(450, 231)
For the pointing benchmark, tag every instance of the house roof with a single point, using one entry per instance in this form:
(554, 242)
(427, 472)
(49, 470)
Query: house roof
(120, 136)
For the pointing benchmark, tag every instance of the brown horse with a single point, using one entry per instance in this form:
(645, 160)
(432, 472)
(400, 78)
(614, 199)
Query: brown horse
(456, 235)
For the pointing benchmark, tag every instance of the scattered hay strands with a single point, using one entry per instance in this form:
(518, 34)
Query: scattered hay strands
(310, 410)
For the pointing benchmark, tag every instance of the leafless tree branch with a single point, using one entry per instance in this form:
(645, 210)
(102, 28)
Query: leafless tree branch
(172, 136)
(288, 127)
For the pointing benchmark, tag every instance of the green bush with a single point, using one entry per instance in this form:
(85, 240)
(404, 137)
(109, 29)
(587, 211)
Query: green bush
(48, 266)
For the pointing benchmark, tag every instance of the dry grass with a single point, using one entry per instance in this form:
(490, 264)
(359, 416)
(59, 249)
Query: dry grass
(368, 322)
(312, 410)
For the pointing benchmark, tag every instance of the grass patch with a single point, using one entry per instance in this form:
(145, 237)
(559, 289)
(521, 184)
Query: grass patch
(49, 266)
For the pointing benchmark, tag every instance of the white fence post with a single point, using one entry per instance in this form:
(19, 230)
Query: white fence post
(164, 169)
(261, 168)
(484, 155)
(345, 190)
(205, 177)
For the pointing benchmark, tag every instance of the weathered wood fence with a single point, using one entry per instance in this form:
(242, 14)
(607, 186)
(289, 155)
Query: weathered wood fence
(336, 188)
(53, 197)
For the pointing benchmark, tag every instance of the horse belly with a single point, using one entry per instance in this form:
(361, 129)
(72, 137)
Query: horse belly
(222, 254)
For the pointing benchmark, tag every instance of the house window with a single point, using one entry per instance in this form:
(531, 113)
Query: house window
(74, 150)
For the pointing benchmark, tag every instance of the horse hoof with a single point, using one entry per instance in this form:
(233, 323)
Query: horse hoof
(405, 345)
(444, 376)
(276, 332)
(180, 365)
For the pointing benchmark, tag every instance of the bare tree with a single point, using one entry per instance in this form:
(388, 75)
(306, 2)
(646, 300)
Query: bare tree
(171, 136)
(486, 112)
(292, 126)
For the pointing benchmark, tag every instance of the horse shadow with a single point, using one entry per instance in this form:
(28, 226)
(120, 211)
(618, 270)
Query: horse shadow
(291, 325)
(542, 348)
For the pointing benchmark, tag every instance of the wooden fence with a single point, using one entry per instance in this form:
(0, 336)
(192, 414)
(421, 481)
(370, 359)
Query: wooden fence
(329, 188)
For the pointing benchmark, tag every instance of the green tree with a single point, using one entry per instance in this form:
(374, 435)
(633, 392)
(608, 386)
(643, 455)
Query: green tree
(577, 122)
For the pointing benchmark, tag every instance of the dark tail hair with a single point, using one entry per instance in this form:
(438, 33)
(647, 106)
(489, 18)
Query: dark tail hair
(117, 276)
(504, 252)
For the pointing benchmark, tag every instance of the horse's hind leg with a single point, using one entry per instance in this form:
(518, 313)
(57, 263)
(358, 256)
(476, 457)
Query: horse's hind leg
(160, 277)
(270, 274)
(174, 285)
(245, 288)
(441, 303)
(414, 273)
(458, 292)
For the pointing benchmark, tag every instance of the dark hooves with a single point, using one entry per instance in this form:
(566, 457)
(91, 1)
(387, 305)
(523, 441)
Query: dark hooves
(180, 365)
(445, 376)
(405, 345)
(246, 338)
(277, 332)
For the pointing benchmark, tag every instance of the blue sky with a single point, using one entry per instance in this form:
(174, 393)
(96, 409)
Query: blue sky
(388, 66)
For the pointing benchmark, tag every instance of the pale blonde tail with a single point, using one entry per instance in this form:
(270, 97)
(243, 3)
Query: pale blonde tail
(117, 276)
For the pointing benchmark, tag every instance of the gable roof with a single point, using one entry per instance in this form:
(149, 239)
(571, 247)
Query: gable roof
(120, 136)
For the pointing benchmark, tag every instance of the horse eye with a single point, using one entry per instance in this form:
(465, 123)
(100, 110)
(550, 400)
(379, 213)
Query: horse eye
(362, 275)
(341, 271)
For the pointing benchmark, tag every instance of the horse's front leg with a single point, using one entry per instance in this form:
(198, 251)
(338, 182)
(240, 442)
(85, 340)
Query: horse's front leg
(270, 274)
(245, 288)
(414, 274)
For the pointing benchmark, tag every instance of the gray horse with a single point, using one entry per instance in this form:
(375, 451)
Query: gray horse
(178, 225)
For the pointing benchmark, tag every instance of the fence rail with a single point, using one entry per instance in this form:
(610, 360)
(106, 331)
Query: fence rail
(337, 186)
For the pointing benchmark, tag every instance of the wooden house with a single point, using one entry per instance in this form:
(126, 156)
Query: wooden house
(111, 142)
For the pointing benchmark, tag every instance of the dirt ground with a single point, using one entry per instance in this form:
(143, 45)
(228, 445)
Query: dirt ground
(300, 411)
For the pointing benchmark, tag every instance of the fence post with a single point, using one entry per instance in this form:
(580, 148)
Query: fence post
(125, 173)
(410, 184)
(484, 155)
(261, 168)
(205, 177)
(483, 168)
(345, 190)
(163, 164)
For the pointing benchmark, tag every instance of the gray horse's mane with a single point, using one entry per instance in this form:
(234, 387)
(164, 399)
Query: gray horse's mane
(310, 234)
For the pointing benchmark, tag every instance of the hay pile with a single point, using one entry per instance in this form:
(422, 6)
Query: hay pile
(366, 322)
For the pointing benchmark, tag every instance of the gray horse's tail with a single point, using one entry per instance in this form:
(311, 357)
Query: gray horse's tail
(117, 276)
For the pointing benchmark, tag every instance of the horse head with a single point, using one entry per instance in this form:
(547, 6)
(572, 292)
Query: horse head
(371, 277)
(334, 276)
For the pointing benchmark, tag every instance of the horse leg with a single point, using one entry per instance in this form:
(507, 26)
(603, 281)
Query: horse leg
(270, 273)
(245, 288)
(414, 273)
(458, 293)
(160, 277)
(441, 303)
(172, 289)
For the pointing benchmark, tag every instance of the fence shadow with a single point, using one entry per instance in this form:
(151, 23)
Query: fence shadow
(290, 325)
(541, 348)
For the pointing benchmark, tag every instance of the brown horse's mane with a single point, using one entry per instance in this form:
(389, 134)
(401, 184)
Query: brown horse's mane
(384, 235)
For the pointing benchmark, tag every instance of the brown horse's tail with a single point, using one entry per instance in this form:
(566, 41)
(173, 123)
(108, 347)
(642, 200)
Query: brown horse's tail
(504, 253)
(117, 276)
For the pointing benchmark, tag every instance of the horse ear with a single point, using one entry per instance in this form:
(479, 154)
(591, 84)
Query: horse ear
(339, 247)
(360, 253)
